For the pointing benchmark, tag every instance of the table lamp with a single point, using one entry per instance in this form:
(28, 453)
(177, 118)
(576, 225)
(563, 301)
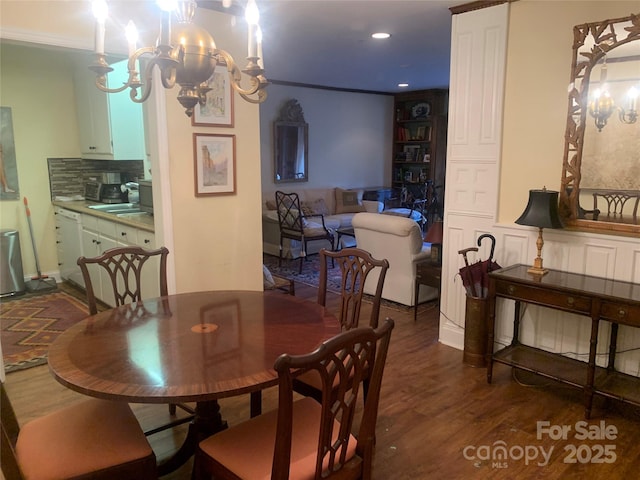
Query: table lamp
(541, 212)
(434, 237)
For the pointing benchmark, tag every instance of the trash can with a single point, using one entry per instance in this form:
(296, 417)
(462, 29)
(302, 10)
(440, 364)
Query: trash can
(11, 276)
(475, 332)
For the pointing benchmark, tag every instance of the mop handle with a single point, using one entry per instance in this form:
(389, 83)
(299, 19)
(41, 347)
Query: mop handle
(33, 240)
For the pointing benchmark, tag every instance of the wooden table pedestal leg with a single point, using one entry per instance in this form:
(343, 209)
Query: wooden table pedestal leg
(206, 422)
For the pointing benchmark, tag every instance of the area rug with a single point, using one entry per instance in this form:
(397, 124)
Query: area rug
(30, 325)
(311, 276)
(310, 271)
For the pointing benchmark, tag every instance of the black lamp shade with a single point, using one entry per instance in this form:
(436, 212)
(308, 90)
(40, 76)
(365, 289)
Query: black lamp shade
(542, 210)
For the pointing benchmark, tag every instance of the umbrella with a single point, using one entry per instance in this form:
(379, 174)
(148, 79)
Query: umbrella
(475, 278)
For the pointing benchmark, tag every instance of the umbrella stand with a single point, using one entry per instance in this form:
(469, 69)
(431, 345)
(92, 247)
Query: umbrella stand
(475, 280)
(475, 332)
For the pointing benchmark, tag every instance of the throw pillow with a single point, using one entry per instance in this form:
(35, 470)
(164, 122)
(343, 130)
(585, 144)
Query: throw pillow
(290, 217)
(348, 201)
(271, 205)
(320, 207)
(315, 207)
(267, 278)
(307, 208)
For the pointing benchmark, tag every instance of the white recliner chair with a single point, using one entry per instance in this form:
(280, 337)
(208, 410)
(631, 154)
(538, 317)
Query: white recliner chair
(399, 240)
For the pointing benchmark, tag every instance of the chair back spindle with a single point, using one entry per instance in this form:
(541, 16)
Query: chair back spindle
(616, 203)
(355, 265)
(124, 269)
(343, 363)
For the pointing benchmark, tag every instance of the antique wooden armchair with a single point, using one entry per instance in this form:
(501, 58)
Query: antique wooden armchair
(324, 445)
(294, 225)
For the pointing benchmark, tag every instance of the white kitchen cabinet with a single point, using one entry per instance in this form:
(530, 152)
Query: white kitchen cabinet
(151, 270)
(127, 235)
(110, 126)
(99, 235)
(146, 239)
(69, 244)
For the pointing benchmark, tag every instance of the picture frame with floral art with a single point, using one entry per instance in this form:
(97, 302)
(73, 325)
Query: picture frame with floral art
(214, 164)
(217, 110)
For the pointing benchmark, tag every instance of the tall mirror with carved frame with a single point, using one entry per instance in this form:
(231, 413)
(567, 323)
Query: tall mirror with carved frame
(291, 141)
(601, 167)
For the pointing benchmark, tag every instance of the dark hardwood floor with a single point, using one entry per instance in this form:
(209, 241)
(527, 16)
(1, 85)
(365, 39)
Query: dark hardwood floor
(438, 418)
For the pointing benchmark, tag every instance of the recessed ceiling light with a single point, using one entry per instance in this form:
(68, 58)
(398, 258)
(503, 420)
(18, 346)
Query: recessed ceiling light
(380, 35)
(403, 85)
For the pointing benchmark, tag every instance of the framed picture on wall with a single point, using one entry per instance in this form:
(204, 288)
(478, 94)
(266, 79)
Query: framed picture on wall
(214, 164)
(217, 110)
(8, 166)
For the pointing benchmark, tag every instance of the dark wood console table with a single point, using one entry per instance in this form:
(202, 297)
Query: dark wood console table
(598, 298)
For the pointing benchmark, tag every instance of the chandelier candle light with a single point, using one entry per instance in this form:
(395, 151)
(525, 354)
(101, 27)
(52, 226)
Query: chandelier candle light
(185, 54)
(602, 105)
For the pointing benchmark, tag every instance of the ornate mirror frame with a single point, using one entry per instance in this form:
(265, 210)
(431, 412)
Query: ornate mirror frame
(291, 145)
(604, 37)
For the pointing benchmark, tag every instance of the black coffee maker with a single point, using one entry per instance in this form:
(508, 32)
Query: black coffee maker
(110, 190)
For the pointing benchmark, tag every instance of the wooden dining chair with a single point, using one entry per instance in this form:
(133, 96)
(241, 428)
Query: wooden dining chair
(304, 439)
(124, 269)
(97, 439)
(616, 202)
(355, 265)
(294, 225)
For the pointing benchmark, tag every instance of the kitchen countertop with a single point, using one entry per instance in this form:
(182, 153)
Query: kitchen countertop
(143, 221)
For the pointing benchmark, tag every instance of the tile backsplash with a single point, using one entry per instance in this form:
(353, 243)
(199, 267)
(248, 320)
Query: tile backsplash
(67, 176)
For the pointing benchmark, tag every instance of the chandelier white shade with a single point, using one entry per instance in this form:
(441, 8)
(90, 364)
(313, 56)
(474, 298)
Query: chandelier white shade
(185, 54)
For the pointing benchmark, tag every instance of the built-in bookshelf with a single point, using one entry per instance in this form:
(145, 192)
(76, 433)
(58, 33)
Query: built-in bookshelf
(419, 143)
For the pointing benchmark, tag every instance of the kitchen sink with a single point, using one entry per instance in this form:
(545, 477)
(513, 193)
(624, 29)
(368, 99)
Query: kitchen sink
(117, 208)
(130, 213)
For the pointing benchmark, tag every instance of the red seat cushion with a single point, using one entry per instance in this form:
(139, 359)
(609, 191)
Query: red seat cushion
(87, 437)
(247, 449)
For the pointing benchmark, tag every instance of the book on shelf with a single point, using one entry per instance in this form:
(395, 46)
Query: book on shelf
(423, 133)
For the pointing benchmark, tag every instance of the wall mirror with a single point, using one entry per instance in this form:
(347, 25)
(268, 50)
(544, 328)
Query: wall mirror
(291, 141)
(602, 138)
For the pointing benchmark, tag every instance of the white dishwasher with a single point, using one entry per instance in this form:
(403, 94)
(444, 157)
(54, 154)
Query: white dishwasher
(69, 244)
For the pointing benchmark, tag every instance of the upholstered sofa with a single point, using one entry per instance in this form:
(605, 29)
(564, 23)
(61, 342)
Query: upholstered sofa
(336, 204)
(399, 240)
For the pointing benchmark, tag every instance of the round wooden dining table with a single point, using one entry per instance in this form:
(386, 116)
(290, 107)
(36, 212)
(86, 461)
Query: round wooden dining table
(189, 347)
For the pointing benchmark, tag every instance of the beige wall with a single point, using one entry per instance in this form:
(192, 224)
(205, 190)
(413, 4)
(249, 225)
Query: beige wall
(349, 137)
(538, 72)
(44, 125)
(216, 240)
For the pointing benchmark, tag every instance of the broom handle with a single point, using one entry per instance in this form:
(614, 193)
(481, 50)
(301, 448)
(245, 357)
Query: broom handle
(33, 240)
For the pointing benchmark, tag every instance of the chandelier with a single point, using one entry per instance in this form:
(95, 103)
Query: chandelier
(185, 54)
(602, 106)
